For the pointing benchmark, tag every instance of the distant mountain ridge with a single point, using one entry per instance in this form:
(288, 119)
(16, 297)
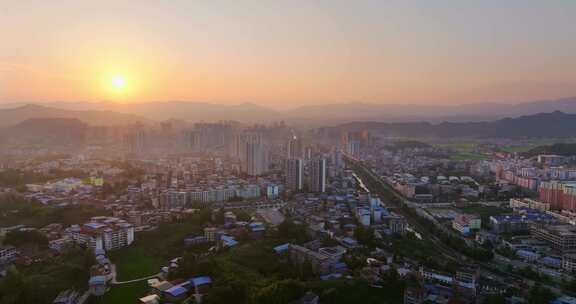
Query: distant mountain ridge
(13, 116)
(555, 124)
(52, 131)
(306, 116)
(429, 112)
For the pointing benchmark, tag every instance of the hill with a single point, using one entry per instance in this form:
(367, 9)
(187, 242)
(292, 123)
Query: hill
(555, 124)
(13, 116)
(52, 131)
(564, 149)
(358, 111)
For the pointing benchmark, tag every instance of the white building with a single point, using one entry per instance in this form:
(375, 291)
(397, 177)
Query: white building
(7, 254)
(103, 233)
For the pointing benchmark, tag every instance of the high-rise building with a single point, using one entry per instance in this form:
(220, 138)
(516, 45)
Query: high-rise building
(294, 174)
(209, 136)
(136, 140)
(318, 175)
(354, 142)
(294, 148)
(336, 162)
(254, 155)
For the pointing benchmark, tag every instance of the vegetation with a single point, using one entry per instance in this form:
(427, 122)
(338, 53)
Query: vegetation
(125, 293)
(565, 149)
(26, 239)
(539, 294)
(134, 262)
(14, 178)
(468, 156)
(41, 282)
(15, 210)
(408, 144)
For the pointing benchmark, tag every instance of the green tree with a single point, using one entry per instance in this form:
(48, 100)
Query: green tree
(12, 286)
(26, 238)
(229, 291)
(494, 299)
(539, 295)
(281, 292)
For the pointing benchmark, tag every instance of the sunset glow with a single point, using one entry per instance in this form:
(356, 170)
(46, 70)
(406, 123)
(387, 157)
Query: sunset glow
(232, 52)
(118, 82)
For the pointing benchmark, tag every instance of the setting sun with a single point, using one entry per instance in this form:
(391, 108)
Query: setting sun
(119, 82)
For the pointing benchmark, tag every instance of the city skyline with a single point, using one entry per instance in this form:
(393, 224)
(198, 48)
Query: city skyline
(336, 52)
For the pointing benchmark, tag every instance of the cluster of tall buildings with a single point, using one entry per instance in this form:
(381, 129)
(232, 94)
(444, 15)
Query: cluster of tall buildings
(207, 137)
(354, 142)
(560, 195)
(296, 167)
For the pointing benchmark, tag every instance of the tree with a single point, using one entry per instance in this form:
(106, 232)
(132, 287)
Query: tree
(539, 294)
(364, 236)
(11, 286)
(281, 292)
(291, 232)
(230, 291)
(26, 238)
(494, 299)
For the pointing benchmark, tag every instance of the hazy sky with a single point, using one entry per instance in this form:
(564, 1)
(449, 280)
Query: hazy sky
(287, 53)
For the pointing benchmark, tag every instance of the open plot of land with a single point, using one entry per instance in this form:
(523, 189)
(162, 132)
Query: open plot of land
(134, 262)
(469, 156)
(517, 149)
(484, 211)
(127, 293)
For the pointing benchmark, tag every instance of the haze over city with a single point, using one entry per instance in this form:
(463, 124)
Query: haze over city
(287, 152)
(284, 54)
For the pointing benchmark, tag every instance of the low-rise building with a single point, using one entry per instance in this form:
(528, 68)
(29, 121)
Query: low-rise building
(103, 233)
(8, 253)
(561, 238)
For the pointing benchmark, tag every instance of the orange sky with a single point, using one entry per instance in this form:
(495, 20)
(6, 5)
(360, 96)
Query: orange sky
(288, 53)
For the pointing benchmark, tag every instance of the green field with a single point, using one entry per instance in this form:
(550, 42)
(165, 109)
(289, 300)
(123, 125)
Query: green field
(134, 262)
(484, 211)
(458, 147)
(469, 156)
(516, 149)
(463, 151)
(127, 293)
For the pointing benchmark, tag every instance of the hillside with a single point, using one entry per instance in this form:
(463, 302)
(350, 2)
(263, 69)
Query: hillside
(13, 116)
(52, 131)
(310, 115)
(565, 149)
(555, 124)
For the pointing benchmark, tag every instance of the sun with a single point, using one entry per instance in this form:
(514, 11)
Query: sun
(118, 82)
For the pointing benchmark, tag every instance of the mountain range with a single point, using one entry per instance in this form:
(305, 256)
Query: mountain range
(544, 125)
(14, 116)
(99, 113)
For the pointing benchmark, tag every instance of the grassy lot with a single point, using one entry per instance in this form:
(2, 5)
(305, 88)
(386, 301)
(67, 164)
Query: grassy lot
(134, 262)
(128, 293)
(152, 250)
(459, 147)
(517, 149)
(468, 156)
(463, 151)
(344, 292)
(484, 211)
